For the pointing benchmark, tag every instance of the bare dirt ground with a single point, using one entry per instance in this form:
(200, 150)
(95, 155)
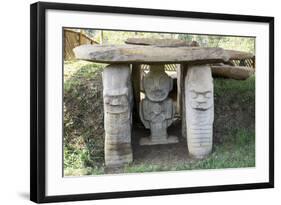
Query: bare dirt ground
(160, 154)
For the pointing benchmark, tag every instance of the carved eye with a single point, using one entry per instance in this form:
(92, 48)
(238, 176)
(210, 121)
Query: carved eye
(208, 95)
(162, 82)
(124, 99)
(193, 95)
(106, 100)
(149, 81)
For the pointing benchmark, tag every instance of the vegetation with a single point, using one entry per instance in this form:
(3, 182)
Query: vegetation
(83, 116)
(237, 151)
(227, 42)
(246, 44)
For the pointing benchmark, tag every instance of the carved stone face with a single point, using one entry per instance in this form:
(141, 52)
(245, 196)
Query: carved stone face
(116, 104)
(200, 100)
(199, 87)
(116, 88)
(157, 84)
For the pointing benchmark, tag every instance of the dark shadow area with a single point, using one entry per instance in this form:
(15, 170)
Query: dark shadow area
(166, 154)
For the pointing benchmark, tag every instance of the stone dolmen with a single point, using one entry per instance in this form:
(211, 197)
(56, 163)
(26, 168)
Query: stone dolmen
(121, 87)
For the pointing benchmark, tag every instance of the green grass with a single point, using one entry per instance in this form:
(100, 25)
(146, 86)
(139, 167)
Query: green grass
(245, 89)
(83, 117)
(83, 122)
(239, 152)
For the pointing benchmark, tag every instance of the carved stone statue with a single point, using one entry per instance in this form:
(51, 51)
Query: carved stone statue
(117, 96)
(157, 110)
(199, 105)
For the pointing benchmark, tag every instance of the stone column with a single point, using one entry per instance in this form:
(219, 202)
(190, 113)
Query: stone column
(179, 93)
(118, 100)
(199, 105)
(183, 68)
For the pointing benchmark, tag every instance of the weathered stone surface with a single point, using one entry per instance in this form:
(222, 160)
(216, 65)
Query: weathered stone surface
(179, 93)
(157, 84)
(161, 42)
(234, 72)
(238, 55)
(117, 96)
(156, 110)
(149, 54)
(183, 68)
(199, 105)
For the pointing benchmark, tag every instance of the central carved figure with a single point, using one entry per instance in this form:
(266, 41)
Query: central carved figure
(156, 109)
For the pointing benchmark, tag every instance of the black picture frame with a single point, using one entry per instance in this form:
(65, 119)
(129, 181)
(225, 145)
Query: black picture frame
(38, 101)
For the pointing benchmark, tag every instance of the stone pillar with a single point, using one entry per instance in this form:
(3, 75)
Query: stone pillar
(118, 100)
(179, 93)
(199, 105)
(157, 110)
(183, 71)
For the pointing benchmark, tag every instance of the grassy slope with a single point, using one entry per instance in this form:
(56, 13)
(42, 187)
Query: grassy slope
(83, 153)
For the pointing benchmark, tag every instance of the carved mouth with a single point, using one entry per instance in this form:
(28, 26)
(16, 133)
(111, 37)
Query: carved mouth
(201, 106)
(116, 109)
(158, 93)
(202, 109)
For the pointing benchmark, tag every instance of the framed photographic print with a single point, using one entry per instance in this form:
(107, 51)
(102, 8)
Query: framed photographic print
(129, 102)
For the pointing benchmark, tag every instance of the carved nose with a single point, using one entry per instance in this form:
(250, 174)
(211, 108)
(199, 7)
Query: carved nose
(158, 92)
(200, 99)
(115, 102)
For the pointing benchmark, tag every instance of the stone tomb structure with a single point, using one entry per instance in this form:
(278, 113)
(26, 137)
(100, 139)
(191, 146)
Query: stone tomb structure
(121, 92)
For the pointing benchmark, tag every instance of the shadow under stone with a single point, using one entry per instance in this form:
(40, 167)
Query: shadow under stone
(165, 154)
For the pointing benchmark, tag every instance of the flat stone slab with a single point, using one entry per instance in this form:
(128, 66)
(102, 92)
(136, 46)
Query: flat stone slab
(239, 55)
(155, 54)
(234, 72)
(149, 54)
(161, 42)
